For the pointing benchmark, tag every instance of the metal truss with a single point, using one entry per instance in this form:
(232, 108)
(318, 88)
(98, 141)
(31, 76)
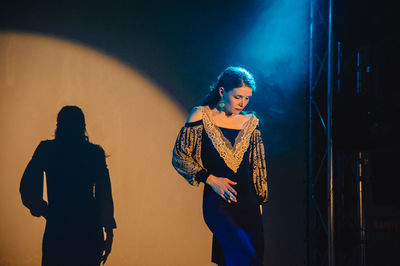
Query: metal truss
(320, 171)
(337, 172)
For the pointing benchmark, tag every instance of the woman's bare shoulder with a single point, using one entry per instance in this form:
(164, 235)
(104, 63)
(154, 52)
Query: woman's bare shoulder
(195, 115)
(248, 116)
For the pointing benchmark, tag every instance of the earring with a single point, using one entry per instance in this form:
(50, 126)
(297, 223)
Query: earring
(221, 104)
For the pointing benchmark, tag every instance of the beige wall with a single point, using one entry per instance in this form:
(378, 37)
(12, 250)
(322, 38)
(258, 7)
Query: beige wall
(158, 214)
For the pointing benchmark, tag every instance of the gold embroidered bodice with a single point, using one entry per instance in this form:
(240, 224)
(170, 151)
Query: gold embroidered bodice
(186, 155)
(232, 155)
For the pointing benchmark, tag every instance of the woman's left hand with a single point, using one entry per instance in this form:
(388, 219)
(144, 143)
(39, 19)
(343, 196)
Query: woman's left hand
(223, 187)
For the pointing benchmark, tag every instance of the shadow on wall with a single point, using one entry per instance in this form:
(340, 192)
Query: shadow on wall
(79, 202)
(157, 212)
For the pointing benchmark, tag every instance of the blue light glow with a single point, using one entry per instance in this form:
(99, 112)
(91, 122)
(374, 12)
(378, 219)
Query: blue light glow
(276, 50)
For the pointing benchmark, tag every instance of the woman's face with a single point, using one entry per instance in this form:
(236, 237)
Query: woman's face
(236, 99)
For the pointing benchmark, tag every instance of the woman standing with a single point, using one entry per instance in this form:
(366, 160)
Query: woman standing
(80, 204)
(221, 146)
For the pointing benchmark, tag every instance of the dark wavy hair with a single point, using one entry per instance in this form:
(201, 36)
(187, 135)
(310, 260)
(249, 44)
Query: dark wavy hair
(229, 79)
(71, 124)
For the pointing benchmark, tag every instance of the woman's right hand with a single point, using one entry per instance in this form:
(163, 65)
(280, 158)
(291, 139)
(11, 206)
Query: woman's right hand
(222, 186)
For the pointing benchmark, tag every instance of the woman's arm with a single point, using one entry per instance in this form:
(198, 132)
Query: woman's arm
(186, 155)
(258, 163)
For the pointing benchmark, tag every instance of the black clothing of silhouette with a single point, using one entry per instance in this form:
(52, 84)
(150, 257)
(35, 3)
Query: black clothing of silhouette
(79, 203)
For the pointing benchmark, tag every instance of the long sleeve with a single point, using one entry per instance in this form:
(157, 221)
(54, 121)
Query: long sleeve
(31, 186)
(103, 194)
(259, 168)
(186, 156)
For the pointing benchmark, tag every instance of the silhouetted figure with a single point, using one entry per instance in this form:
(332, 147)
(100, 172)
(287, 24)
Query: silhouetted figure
(79, 203)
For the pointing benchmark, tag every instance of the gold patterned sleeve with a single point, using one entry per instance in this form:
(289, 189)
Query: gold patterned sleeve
(186, 156)
(258, 164)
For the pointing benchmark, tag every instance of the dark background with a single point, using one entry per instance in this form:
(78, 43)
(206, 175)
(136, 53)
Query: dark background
(366, 118)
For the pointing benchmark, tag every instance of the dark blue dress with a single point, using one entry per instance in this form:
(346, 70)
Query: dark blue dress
(237, 226)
